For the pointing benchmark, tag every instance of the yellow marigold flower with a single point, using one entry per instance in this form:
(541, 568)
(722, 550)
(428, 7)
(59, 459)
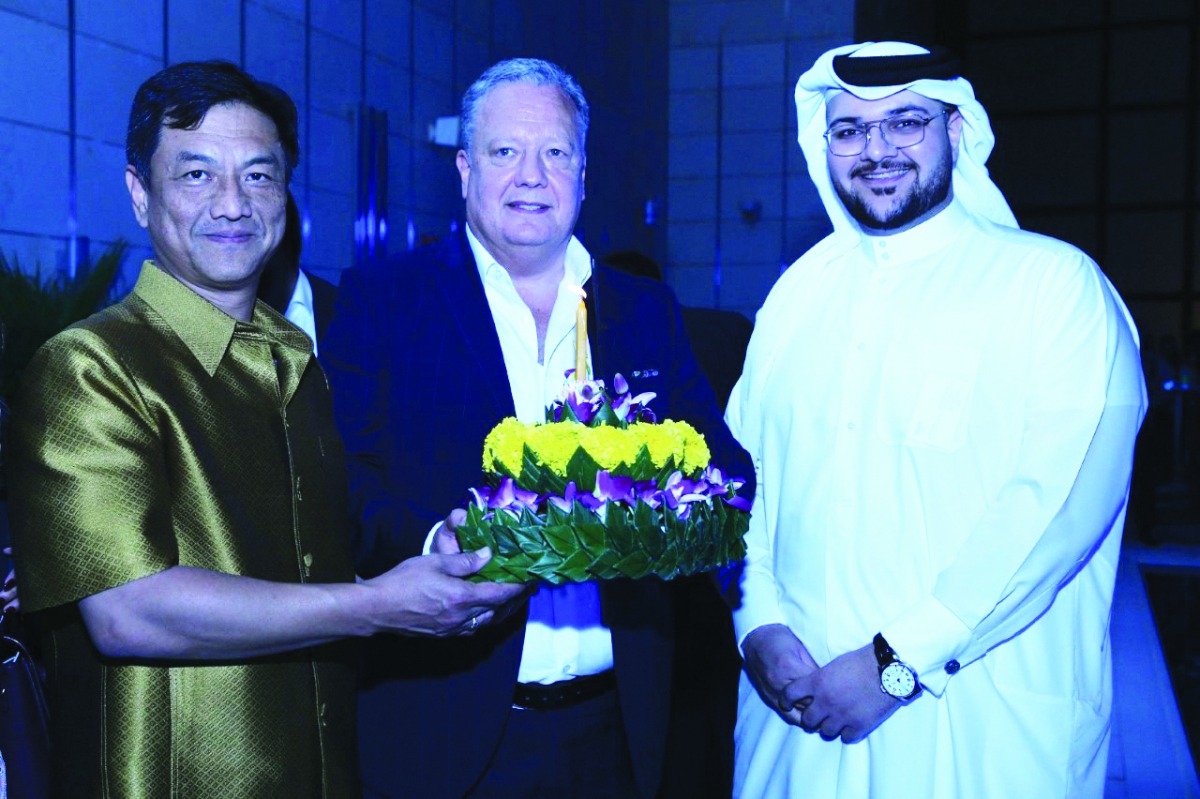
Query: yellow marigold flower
(658, 440)
(610, 446)
(689, 442)
(554, 444)
(505, 445)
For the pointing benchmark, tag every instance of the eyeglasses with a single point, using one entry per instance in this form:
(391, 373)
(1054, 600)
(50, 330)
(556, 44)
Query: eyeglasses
(900, 131)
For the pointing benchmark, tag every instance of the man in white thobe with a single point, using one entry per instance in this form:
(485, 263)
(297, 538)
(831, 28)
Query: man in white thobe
(942, 410)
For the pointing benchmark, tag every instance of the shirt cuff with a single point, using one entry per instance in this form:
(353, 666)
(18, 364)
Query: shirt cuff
(929, 638)
(425, 550)
(746, 621)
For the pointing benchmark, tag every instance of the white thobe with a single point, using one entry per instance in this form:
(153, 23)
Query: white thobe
(942, 423)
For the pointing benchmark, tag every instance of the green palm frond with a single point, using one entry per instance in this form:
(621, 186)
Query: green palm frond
(33, 310)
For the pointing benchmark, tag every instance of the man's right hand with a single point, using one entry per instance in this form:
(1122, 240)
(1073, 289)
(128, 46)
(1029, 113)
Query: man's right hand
(428, 595)
(775, 658)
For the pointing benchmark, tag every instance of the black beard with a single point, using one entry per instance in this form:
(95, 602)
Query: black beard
(924, 196)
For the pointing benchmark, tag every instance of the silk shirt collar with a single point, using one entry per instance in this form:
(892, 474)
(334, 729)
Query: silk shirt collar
(577, 264)
(205, 328)
(916, 243)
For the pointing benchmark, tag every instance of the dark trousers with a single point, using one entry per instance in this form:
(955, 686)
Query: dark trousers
(578, 752)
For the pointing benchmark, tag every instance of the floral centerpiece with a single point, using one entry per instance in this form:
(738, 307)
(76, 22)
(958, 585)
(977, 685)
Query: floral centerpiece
(602, 490)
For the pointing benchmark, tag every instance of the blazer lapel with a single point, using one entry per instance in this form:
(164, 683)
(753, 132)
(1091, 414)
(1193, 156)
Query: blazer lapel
(466, 305)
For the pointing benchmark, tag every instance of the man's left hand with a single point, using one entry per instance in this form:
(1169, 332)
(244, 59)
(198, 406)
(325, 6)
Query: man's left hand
(846, 701)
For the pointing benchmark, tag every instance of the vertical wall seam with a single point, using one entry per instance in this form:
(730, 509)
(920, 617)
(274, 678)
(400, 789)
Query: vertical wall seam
(242, 34)
(410, 228)
(1191, 198)
(784, 257)
(717, 255)
(72, 145)
(1104, 124)
(306, 161)
(362, 54)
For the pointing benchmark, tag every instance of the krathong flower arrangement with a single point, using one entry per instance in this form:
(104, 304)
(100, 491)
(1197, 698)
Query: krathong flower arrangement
(602, 490)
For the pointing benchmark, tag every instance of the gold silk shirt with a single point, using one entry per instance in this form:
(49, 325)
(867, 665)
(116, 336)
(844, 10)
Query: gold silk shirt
(162, 431)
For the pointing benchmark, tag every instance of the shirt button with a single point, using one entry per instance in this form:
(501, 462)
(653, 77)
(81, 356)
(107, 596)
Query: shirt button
(308, 562)
(850, 425)
(861, 346)
(952, 667)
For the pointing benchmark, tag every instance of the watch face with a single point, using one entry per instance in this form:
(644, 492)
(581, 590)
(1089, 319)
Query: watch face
(898, 680)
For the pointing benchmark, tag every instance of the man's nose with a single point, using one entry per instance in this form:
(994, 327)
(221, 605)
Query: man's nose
(877, 147)
(231, 200)
(530, 170)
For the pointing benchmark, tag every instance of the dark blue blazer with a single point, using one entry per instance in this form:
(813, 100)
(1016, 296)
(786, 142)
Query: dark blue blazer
(418, 379)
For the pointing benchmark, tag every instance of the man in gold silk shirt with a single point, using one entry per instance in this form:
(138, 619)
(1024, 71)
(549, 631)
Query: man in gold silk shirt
(178, 493)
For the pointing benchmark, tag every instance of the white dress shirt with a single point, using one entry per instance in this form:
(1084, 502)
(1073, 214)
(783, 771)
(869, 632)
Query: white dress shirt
(300, 311)
(564, 637)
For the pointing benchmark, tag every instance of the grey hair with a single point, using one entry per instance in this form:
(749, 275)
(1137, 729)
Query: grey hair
(522, 70)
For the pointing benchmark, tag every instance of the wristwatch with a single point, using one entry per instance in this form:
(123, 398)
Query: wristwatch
(896, 678)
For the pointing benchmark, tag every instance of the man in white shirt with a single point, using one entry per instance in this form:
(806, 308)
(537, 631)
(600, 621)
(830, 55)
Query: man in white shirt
(304, 299)
(941, 409)
(425, 355)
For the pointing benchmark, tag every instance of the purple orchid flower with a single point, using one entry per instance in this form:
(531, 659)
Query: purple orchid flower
(507, 496)
(741, 503)
(614, 488)
(571, 495)
(647, 492)
(621, 407)
(566, 501)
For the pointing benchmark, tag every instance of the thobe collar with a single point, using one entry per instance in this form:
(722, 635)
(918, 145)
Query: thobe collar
(917, 243)
(204, 328)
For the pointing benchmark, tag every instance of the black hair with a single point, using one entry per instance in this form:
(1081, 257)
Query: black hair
(180, 95)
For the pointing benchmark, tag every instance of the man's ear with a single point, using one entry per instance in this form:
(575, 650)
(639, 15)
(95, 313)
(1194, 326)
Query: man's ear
(954, 125)
(463, 162)
(139, 196)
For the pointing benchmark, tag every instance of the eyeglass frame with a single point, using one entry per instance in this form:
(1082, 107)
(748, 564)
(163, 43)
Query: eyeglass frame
(878, 123)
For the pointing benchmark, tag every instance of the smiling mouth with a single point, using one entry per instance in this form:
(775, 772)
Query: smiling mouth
(234, 237)
(528, 207)
(883, 174)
